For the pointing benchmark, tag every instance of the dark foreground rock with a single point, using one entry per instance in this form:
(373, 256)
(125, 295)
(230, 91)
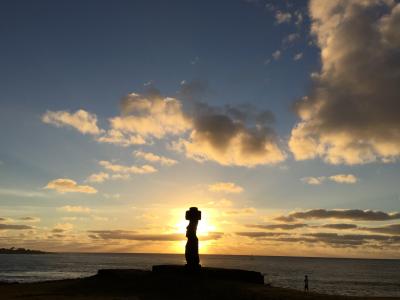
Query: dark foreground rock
(210, 273)
(147, 285)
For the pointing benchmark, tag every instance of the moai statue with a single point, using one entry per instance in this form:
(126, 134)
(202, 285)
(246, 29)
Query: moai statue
(192, 245)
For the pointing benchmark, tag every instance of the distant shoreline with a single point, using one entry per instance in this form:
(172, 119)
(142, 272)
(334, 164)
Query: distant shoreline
(21, 251)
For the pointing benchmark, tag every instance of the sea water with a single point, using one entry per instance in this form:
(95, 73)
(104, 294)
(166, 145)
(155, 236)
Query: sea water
(357, 277)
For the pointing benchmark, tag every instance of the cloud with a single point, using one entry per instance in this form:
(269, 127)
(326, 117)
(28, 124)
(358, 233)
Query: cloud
(341, 226)
(334, 240)
(232, 135)
(195, 60)
(120, 176)
(145, 117)
(21, 193)
(299, 18)
(135, 236)
(235, 136)
(116, 137)
(30, 219)
(350, 240)
(225, 187)
(338, 178)
(282, 17)
(145, 169)
(388, 229)
(260, 234)
(298, 56)
(65, 185)
(75, 209)
(348, 214)
(151, 157)
(241, 211)
(81, 120)
(277, 54)
(290, 39)
(313, 180)
(98, 177)
(279, 226)
(351, 114)
(62, 227)
(14, 227)
(344, 178)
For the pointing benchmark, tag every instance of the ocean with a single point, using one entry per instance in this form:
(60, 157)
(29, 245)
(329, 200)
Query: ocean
(357, 277)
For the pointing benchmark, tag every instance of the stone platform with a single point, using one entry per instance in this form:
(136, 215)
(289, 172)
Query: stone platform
(179, 273)
(210, 273)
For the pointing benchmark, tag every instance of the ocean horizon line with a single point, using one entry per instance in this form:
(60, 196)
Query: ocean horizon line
(218, 254)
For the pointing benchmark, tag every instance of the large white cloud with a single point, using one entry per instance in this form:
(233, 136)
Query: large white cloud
(351, 115)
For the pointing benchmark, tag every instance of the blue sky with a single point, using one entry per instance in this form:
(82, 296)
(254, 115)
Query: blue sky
(59, 56)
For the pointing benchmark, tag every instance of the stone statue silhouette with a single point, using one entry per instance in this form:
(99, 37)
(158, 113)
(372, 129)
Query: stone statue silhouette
(193, 215)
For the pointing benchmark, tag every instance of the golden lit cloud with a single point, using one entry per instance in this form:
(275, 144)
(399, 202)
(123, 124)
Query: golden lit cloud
(338, 178)
(351, 116)
(226, 187)
(241, 211)
(61, 227)
(145, 169)
(98, 177)
(65, 185)
(344, 178)
(151, 157)
(313, 180)
(29, 219)
(238, 150)
(75, 209)
(116, 137)
(81, 120)
(151, 116)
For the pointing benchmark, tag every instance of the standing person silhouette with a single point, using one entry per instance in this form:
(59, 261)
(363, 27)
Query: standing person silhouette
(306, 283)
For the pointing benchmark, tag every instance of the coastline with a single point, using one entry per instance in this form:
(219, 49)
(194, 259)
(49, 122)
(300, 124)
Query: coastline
(141, 284)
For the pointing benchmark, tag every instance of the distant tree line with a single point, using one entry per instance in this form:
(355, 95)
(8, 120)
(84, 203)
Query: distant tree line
(14, 250)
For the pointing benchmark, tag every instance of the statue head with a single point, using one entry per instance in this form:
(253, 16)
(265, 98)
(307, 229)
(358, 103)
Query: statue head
(193, 214)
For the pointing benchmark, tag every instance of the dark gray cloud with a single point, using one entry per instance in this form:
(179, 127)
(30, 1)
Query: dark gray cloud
(393, 229)
(232, 135)
(340, 226)
(14, 227)
(335, 239)
(351, 114)
(348, 214)
(278, 226)
(135, 236)
(238, 134)
(260, 234)
(28, 219)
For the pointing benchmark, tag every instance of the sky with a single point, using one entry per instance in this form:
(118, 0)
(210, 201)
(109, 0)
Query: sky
(278, 119)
